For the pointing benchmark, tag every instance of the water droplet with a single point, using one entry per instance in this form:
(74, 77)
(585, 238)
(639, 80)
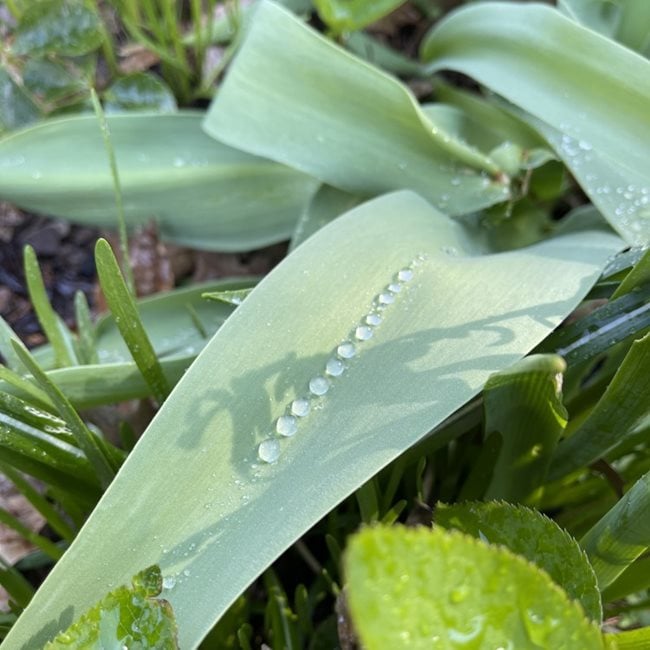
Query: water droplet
(179, 162)
(373, 319)
(585, 146)
(36, 175)
(394, 287)
(320, 138)
(455, 181)
(346, 350)
(402, 165)
(459, 594)
(269, 450)
(169, 582)
(334, 367)
(385, 298)
(319, 385)
(286, 425)
(186, 573)
(405, 275)
(363, 333)
(300, 407)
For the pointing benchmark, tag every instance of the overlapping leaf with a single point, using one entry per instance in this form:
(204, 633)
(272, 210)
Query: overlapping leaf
(207, 505)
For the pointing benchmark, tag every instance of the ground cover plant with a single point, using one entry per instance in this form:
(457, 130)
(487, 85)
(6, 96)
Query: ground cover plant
(452, 357)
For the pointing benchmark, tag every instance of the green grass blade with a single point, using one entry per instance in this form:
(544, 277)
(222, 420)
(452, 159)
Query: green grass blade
(524, 405)
(86, 343)
(37, 540)
(125, 312)
(638, 277)
(127, 271)
(620, 413)
(228, 200)
(513, 49)
(18, 588)
(620, 537)
(94, 449)
(308, 90)
(53, 518)
(24, 387)
(209, 501)
(57, 333)
(7, 335)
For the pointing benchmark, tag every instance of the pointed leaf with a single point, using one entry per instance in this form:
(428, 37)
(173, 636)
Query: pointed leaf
(202, 193)
(307, 88)
(513, 49)
(432, 352)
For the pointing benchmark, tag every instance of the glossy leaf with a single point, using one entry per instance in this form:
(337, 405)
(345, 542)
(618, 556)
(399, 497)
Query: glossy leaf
(620, 537)
(128, 617)
(63, 27)
(202, 193)
(418, 589)
(52, 81)
(530, 534)
(524, 405)
(308, 88)
(513, 49)
(619, 414)
(139, 92)
(420, 364)
(127, 320)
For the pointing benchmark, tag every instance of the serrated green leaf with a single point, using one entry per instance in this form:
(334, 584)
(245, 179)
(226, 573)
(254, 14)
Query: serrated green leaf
(128, 617)
(63, 27)
(308, 88)
(619, 414)
(513, 49)
(139, 91)
(433, 351)
(524, 405)
(530, 534)
(421, 589)
(620, 537)
(202, 193)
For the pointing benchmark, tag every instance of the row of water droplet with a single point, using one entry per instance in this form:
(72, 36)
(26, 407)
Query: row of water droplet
(287, 425)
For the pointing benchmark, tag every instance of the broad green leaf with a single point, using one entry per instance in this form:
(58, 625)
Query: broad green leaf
(629, 640)
(377, 53)
(16, 107)
(420, 589)
(514, 48)
(620, 537)
(209, 500)
(139, 92)
(350, 15)
(128, 617)
(202, 193)
(619, 414)
(524, 405)
(63, 27)
(529, 533)
(128, 322)
(627, 21)
(326, 204)
(307, 88)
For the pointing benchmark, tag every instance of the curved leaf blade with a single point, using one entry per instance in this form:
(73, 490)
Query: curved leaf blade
(308, 89)
(459, 319)
(202, 193)
(514, 48)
